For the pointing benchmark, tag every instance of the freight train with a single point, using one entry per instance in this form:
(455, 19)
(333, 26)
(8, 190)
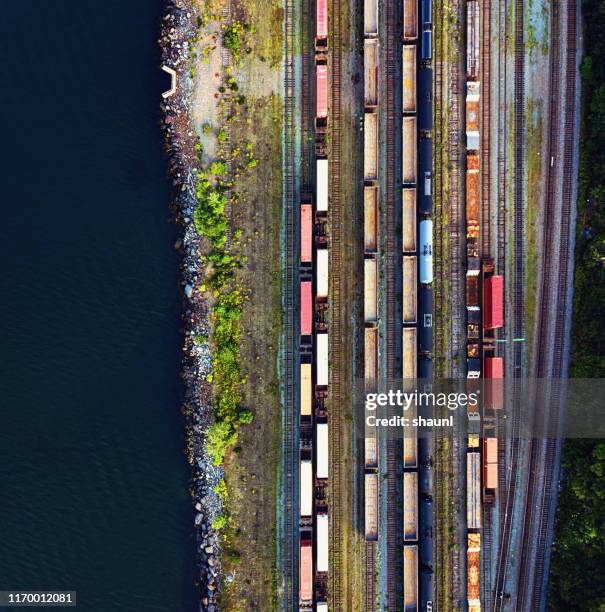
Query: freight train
(484, 315)
(314, 377)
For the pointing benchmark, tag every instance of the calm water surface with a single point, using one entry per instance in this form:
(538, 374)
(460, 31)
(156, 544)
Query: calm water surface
(93, 482)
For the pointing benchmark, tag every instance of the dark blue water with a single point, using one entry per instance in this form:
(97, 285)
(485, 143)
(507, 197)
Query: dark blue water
(93, 482)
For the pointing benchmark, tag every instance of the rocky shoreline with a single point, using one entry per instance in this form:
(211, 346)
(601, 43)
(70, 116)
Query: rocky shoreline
(178, 28)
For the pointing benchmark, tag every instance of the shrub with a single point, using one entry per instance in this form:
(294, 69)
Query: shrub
(221, 435)
(220, 522)
(245, 416)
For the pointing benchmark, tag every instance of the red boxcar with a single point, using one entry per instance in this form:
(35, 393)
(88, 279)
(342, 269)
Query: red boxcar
(322, 91)
(306, 572)
(306, 308)
(321, 19)
(306, 233)
(493, 295)
(494, 387)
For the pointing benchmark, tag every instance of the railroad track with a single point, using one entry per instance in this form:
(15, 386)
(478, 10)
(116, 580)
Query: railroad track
(337, 359)
(392, 325)
(545, 453)
(517, 316)
(290, 282)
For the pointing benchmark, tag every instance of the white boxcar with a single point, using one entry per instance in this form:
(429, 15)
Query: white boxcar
(321, 199)
(322, 556)
(322, 464)
(426, 252)
(322, 273)
(322, 360)
(306, 488)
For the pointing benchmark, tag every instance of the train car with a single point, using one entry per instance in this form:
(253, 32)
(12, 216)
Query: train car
(473, 490)
(473, 368)
(306, 233)
(306, 488)
(472, 116)
(322, 443)
(306, 390)
(322, 543)
(473, 571)
(306, 308)
(409, 219)
(371, 359)
(472, 292)
(322, 186)
(370, 301)
(490, 469)
(426, 534)
(424, 82)
(321, 359)
(426, 44)
(306, 572)
(472, 40)
(410, 451)
(472, 191)
(427, 14)
(425, 329)
(370, 63)
(322, 274)
(370, 448)
(494, 387)
(426, 252)
(493, 306)
(410, 506)
(409, 353)
(408, 78)
(370, 18)
(425, 169)
(409, 156)
(474, 430)
(410, 20)
(371, 507)
(425, 368)
(410, 284)
(321, 25)
(370, 219)
(410, 578)
(321, 92)
(370, 147)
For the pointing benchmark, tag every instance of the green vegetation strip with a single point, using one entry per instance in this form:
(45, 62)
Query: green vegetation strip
(579, 551)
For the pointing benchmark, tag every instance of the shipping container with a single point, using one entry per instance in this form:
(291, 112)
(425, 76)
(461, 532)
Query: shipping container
(322, 455)
(306, 488)
(490, 476)
(370, 150)
(371, 359)
(370, 18)
(370, 205)
(426, 252)
(472, 116)
(494, 385)
(410, 19)
(409, 220)
(321, 199)
(473, 491)
(370, 448)
(493, 312)
(409, 150)
(371, 507)
(410, 287)
(473, 572)
(410, 506)
(472, 200)
(306, 308)
(370, 64)
(410, 450)
(321, 21)
(306, 390)
(410, 578)
(321, 373)
(472, 292)
(306, 233)
(408, 78)
(306, 572)
(322, 273)
(370, 300)
(323, 537)
(409, 353)
(472, 39)
(322, 91)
